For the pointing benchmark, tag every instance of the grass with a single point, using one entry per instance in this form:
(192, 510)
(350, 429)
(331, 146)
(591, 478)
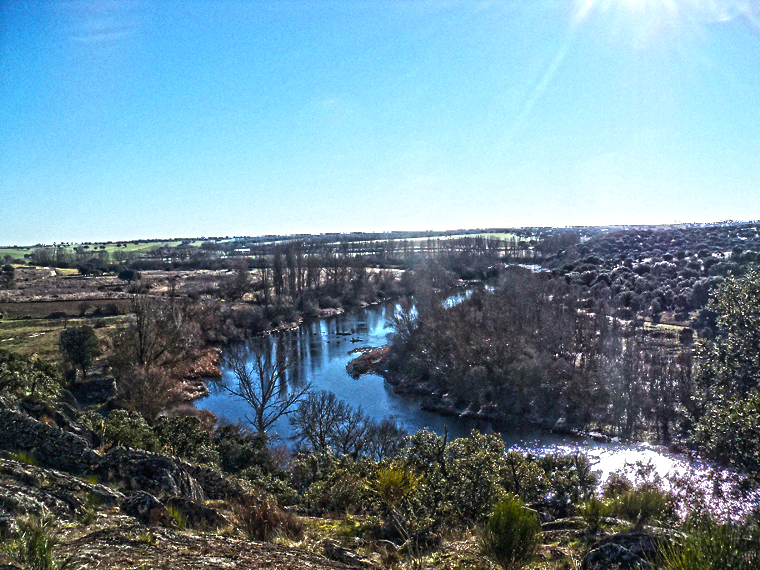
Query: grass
(32, 336)
(140, 246)
(40, 336)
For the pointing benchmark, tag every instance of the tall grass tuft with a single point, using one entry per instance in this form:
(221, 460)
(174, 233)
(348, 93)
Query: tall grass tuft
(510, 534)
(37, 540)
(593, 511)
(264, 520)
(642, 504)
(712, 546)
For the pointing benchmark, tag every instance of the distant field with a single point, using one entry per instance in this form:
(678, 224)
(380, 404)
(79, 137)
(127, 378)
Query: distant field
(43, 309)
(40, 336)
(138, 246)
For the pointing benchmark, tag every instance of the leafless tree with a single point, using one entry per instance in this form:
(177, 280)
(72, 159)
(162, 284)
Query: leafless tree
(260, 380)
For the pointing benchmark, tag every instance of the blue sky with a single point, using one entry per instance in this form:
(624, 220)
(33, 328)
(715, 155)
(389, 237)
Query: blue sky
(142, 119)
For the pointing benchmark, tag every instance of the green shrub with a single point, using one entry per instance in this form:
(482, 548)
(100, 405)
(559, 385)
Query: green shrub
(615, 485)
(130, 430)
(592, 512)
(184, 437)
(642, 504)
(712, 546)
(510, 534)
(342, 490)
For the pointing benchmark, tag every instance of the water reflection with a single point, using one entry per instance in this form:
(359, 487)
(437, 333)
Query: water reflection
(322, 348)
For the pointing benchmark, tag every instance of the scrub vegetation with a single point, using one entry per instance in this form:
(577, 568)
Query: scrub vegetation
(551, 347)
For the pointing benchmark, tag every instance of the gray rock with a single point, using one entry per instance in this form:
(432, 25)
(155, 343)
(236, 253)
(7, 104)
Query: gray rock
(29, 489)
(627, 550)
(159, 475)
(612, 556)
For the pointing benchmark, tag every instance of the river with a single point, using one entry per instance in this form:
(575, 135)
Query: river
(322, 348)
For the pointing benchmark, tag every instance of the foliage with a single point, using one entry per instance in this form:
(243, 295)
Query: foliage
(263, 520)
(731, 433)
(510, 534)
(398, 488)
(642, 504)
(344, 487)
(184, 437)
(147, 390)
(239, 448)
(79, 346)
(731, 363)
(729, 376)
(593, 510)
(37, 541)
(22, 376)
(7, 275)
(713, 546)
(567, 478)
(129, 429)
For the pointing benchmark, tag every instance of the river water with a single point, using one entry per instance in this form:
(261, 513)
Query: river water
(323, 347)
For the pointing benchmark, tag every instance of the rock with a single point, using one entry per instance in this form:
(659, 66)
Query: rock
(335, 551)
(159, 475)
(197, 515)
(29, 489)
(121, 547)
(635, 549)
(612, 556)
(49, 444)
(564, 524)
(147, 509)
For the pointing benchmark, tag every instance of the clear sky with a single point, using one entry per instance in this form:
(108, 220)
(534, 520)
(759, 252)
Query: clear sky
(125, 119)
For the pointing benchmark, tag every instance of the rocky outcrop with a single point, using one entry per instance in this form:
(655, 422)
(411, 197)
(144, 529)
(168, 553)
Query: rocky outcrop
(147, 509)
(28, 489)
(161, 475)
(158, 475)
(629, 550)
(49, 444)
(126, 546)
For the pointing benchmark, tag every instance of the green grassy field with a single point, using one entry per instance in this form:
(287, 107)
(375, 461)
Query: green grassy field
(139, 246)
(40, 336)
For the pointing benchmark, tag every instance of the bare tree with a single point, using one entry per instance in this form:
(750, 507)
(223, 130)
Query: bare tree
(316, 420)
(260, 380)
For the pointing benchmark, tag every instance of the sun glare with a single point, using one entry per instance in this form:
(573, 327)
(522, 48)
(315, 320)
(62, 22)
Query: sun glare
(643, 23)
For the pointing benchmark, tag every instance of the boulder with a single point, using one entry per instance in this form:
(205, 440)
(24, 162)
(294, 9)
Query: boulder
(636, 549)
(147, 509)
(29, 489)
(156, 474)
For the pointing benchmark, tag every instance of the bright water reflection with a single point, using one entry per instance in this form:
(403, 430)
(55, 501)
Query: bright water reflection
(322, 348)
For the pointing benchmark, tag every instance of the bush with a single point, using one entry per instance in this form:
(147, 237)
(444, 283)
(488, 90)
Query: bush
(711, 546)
(184, 437)
(130, 430)
(510, 534)
(642, 504)
(264, 520)
(592, 512)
